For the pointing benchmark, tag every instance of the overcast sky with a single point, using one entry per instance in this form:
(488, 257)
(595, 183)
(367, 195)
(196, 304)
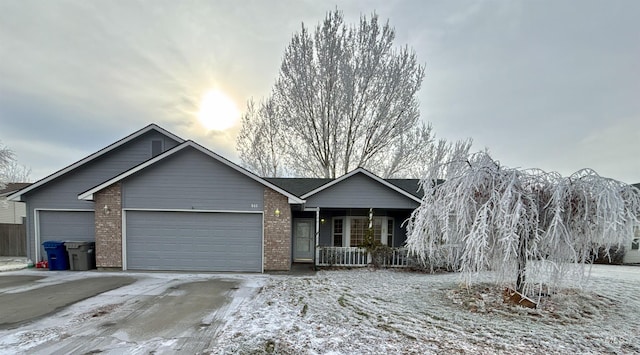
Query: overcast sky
(547, 84)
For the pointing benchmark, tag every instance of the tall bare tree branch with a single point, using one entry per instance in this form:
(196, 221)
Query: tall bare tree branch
(344, 98)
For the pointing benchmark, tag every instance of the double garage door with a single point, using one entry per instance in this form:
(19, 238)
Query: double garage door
(193, 241)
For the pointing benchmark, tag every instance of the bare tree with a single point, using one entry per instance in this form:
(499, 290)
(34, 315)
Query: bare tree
(259, 142)
(15, 172)
(344, 98)
(6, 160)
(517, 223)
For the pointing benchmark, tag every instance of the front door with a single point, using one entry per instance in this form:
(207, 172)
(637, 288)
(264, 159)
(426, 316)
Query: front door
(303, 240)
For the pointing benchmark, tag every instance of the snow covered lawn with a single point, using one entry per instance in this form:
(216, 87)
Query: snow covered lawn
(387, 311)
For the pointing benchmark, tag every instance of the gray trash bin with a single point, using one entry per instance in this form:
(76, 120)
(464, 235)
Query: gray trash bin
(82, 255)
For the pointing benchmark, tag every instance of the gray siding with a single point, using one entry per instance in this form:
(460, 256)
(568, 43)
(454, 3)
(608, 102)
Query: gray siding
(189, 179)
(399, 233)
(62, 193)
(194, 241)
(360, 191)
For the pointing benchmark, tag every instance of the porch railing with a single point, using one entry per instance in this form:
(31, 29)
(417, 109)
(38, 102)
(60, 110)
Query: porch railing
(358, 257)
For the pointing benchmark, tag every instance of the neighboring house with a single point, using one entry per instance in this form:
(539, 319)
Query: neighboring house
(12, 212)
(632, 252)
(153, 201)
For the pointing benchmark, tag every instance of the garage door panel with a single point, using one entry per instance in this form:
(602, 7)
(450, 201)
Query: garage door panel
(66, 225)
(194, 241)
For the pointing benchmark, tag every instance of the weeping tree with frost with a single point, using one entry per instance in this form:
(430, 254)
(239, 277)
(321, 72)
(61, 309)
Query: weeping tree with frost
(524, 225)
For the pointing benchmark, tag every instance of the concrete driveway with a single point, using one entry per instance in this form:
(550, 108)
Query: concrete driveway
(89, 312)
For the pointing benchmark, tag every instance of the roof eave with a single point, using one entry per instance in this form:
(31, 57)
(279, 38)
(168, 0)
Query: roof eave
(18, 195)
(370, 175)
(88, 195)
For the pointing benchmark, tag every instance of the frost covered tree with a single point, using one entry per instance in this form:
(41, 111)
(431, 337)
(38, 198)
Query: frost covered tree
(344, 98)
(522, 224)
(260, 147)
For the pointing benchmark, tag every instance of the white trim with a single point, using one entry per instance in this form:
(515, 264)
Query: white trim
(88, 195)
(17, 196)
(36, 224)
(333, 236)
(189, 210)
(317, 235)
(36, 234)
(124, 239)
(367, 173)
(262, 246)
(124, 226)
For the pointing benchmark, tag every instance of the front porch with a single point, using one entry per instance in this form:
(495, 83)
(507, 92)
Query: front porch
(336, 237)
(360, 257)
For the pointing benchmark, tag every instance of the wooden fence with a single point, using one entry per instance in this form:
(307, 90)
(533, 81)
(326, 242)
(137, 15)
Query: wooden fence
(13, 239)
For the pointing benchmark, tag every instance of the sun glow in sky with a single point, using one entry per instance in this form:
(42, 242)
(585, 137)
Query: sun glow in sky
(217, 112)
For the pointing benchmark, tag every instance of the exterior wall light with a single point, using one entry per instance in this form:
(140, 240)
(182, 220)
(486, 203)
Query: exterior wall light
(277, 212)
(105, 209)
(322, 220)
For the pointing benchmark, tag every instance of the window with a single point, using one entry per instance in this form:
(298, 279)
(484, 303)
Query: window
(156, 147)
(338, 232)
(350, 231)
(358, 229)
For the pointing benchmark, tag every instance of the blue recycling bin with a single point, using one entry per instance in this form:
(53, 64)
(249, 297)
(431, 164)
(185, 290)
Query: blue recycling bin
(56, 255)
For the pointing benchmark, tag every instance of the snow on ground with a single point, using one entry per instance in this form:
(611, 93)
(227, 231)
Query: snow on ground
(89, 316)
(10, 263)
(370, 311)
(387, 311)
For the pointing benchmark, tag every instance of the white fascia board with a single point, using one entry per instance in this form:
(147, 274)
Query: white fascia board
(367, 173)
(18, 195)
(331, 183)
(88, 195)
(293, 199)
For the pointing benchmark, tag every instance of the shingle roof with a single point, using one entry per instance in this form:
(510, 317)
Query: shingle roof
(298, 186)
(12, 187)
(301, 186)
(408, 185)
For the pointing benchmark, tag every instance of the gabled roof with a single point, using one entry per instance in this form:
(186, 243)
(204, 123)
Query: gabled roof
(409, 185)
(298, 186)
(88, 195)
(152, 127)
(13, 187)
(366, 173)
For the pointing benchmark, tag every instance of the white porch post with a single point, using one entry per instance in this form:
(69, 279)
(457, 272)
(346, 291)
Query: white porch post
(317, 250)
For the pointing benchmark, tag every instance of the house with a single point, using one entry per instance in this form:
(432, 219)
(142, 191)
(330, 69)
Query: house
(632, 252)
(153, 201)
(11, 212)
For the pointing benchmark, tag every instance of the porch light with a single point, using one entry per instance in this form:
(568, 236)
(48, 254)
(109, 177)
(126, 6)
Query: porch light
(105, 209)
(322, 220)
(277, 212)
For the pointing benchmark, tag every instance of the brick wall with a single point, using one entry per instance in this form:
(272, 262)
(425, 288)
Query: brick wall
(109, 227)
(277, 232)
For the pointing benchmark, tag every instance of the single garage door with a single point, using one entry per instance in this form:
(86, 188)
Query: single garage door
(65, 225)
(194, 241)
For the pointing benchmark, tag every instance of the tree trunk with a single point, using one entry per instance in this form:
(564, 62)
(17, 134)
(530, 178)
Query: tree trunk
(522, 265)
